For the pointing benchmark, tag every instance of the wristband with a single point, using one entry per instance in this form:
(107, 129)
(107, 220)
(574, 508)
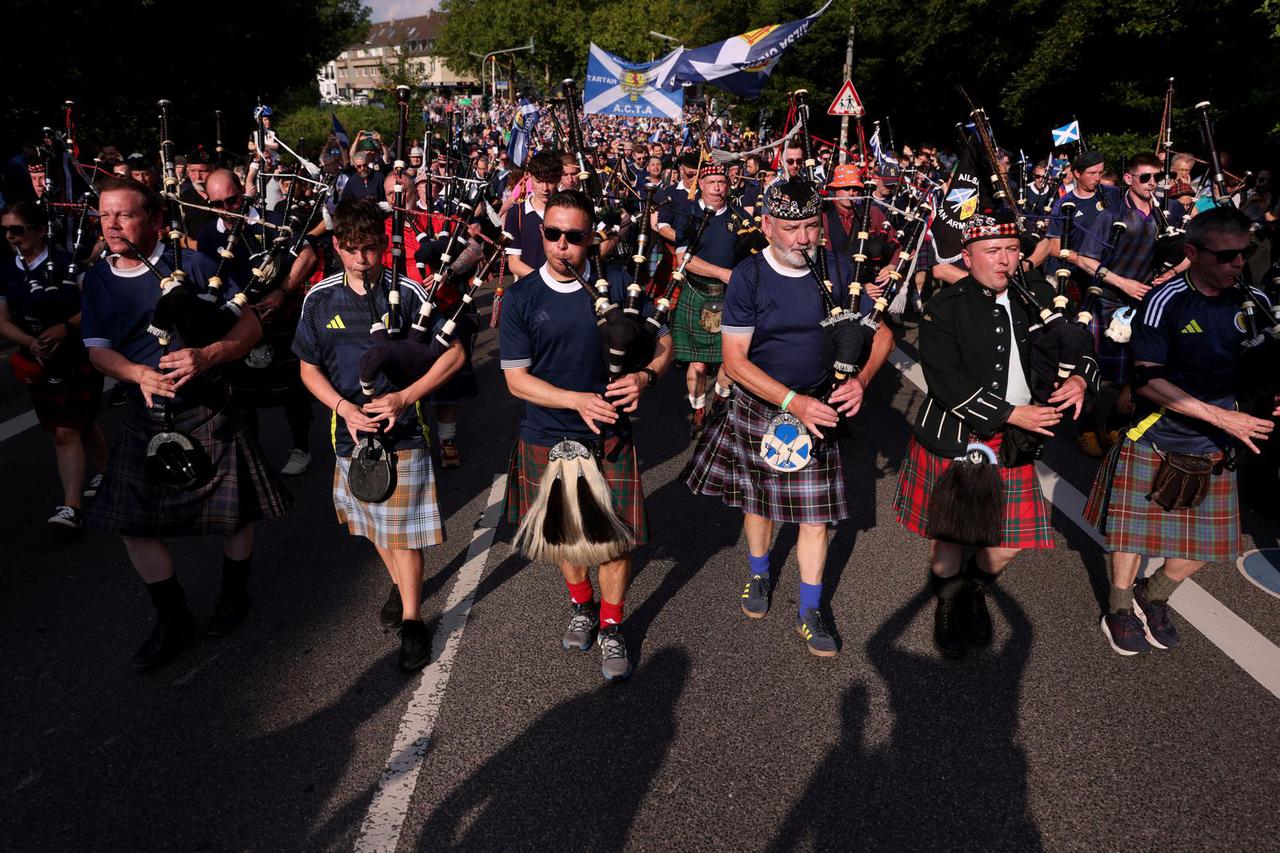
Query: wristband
(786, 401)
(653, 377)
(337, 410)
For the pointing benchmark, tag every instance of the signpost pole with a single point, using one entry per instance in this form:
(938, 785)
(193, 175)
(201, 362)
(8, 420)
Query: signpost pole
(848, 75)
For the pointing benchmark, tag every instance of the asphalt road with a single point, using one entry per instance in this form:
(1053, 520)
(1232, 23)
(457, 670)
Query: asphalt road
(729, 736)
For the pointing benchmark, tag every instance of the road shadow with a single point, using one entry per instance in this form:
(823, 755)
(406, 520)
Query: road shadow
(951, 776)
(575, 779)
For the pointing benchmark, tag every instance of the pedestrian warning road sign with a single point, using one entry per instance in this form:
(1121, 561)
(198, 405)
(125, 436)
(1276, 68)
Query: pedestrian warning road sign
(847, 102)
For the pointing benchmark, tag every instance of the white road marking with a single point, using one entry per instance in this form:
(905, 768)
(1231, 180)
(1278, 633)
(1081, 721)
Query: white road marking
(1239, 640)
(385, 818)
(21, 423)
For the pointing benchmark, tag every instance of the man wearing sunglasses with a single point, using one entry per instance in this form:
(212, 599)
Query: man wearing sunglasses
(1126, 272)
(552, 358)
(1189, 345)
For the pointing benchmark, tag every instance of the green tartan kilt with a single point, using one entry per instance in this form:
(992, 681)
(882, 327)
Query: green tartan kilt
(692, 342)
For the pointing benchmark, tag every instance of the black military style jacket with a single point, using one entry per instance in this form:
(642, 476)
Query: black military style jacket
(964, 353)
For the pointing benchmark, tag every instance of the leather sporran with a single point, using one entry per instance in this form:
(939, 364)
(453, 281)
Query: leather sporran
(1019, 447)
(1182, 481)
(709, 319)
(372, 473)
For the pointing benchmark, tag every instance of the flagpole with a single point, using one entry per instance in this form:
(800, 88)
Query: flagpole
(848, 75)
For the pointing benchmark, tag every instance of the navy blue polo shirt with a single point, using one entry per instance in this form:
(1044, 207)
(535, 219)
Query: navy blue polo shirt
(1135, 255)
(674, 202)
(524, 224)
(780, 309)
(1198, 340)
(549, 327)
(718, 240)
(333, 332)
(118, 304)
(238, 267)
(16, 285)
(1087, 212)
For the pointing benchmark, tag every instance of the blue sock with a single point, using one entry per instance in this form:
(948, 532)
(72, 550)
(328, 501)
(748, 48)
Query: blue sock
(810, 595)
(759, 565)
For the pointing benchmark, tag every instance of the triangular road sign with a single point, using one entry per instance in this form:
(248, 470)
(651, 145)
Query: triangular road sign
(847, 102)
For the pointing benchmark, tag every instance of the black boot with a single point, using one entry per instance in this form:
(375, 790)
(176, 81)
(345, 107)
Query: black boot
(174, 627)
(977, 618)
(233, 600)
(947, 619)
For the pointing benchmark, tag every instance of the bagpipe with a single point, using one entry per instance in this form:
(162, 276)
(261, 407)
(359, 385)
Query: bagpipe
(1169, 240)
(51, 300)
(1120, 328)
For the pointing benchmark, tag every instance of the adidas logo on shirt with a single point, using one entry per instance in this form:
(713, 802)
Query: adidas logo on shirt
(336, 323)
(1192, 328)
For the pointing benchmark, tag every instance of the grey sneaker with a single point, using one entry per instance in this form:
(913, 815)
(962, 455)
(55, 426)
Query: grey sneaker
(66, 516)
(299, 462)
(615, 665)
(755, 597)
(813, 631)
(93, 487)
(582, 627)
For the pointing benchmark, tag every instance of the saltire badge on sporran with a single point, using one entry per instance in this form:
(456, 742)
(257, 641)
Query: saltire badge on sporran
(786, 445)
(372, 475)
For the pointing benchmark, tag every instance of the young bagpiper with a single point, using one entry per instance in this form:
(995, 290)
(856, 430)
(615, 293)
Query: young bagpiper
(773, 351)
(574, 483)
(334, 331)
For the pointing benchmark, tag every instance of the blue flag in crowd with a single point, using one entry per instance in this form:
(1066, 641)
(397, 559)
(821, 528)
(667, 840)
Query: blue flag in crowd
(1066, 134)
(340, 131)
(740, 65)
(618, 87)
(522, 133)
(877, 152)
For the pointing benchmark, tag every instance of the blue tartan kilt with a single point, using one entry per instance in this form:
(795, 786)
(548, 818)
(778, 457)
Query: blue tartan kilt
(1115, 360)
(727, 464)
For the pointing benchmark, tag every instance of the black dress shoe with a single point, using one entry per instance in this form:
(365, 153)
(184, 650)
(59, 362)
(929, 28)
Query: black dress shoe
(977, 618)
(232, 609)
(415, 645)
(948, 629)
(392, 611)
(171, 634)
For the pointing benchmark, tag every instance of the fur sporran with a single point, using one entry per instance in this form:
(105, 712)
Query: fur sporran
(1181, 481)
(572, 519)
(967, 504)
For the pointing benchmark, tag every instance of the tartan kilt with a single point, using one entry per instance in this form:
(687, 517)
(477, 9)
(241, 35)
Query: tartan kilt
(1115, 360)
(408, 520)
(692, 342)
(1026, 512)
(244, 487)
(619, 466)
(72, 403)
(727, 464)
(1119, 508)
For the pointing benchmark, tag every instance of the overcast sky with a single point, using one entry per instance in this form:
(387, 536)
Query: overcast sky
(386, 9)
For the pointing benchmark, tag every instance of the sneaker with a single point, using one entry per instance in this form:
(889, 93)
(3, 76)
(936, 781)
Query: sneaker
(232, 609)
(948, 617)
(299, 462)
(392, 612)
(699, 420)
(615, 666)
(813, 631)
(95, 484)
(1154, 616)
(1089, 445)
(415, 645)
(172, 633)
(449, 456)
(1125, 634)
(582, 627)
(66, 516)
(755, 597)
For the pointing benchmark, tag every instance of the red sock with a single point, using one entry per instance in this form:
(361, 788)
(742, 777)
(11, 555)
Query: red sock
(610, 613)
(581, 592)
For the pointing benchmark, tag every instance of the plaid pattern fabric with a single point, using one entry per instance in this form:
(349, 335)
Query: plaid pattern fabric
(408, 520)
(620, 469)
(244, 488)
(726, 464)
(692, 342)
(1119, 508)
(1115, 361)
(72, 403)
(1026, 513)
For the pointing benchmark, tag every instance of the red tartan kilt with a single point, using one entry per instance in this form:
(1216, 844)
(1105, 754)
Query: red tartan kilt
(1026, 512)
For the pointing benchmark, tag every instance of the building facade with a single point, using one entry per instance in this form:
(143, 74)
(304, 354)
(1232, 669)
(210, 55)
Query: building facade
(357, 71)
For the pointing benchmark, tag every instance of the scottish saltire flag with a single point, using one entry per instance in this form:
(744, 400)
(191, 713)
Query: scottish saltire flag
(1066, 134)
(616, 87)
(740, 65)
(522, 133)
(339, 131)
(877, 153)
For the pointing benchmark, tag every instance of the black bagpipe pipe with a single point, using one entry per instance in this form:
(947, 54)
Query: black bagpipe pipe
(810, 165)
(590, 180)
(50, 300)
(1062, 276)
(913, 240)
(1091, 300)
(641, 257)
(627, 343)
(226, 253)
(77, 243)
(1216, 175)
(846, 343)
(664, 304)
(858, 283)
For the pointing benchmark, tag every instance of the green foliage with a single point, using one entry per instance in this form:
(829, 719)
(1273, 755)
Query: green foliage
(1118, 147)
(314, 124)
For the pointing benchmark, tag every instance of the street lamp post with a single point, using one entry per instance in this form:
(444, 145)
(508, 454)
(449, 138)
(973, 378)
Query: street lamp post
(493, 56)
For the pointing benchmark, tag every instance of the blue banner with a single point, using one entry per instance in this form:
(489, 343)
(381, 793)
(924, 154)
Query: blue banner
(618, 87)
(521, 133)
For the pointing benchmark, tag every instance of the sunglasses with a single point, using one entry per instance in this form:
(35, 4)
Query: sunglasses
(17, 230)
(225, 203)
(572, 235)
(1226, 256)
(1146, 178)
(794, 162)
